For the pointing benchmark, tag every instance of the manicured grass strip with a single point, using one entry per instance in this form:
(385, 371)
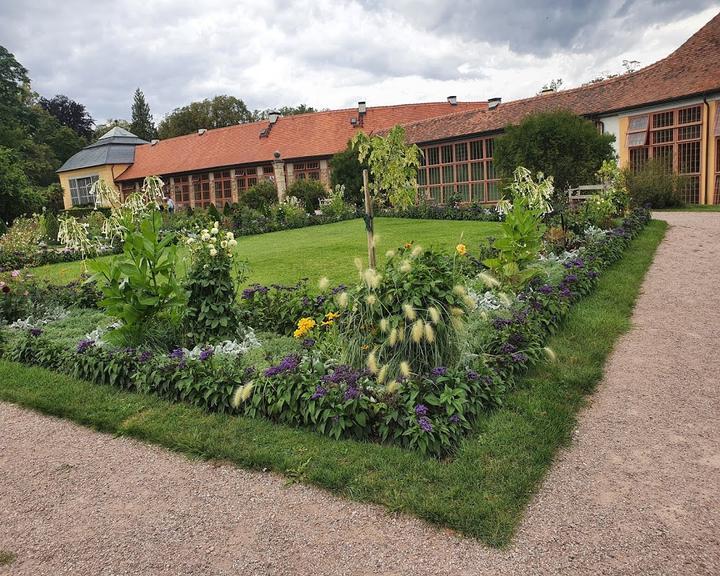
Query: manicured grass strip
(326, 250)
(482, 492)
(692, 208)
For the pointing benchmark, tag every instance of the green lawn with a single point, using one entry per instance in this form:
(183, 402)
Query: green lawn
(481, 492)
(328, 250)
(692, 208)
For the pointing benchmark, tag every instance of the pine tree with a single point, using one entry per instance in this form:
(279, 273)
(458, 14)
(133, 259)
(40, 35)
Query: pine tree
(142, 123)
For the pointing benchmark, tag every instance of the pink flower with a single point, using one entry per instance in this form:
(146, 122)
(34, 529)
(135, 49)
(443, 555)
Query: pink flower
(15, 273)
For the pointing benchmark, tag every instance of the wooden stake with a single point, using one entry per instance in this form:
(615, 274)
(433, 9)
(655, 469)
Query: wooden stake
(369, 222)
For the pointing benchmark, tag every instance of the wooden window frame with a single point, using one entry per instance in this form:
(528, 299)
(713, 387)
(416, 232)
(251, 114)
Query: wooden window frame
(245, 178)
(182, 190)
(663, 140)
(201, 189)
(222, 183)
(306, 170)
(455, 164)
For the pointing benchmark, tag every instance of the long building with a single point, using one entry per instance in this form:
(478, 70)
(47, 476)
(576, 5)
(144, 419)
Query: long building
(668, 110)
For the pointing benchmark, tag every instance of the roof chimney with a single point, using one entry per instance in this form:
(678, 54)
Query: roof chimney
(362, 108)
(494, 102)
(154, 141)
(273, 116)
(201, 131)
(452, 100)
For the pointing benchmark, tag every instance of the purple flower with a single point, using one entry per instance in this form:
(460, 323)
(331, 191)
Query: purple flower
(565, 292)
(177, 354)
(84, 345)
(344, 373)
(145, 357)
(15, 273)
(308, 343)
(593, 274)
(319, 393)
(287, 364)
(472, 375)
(508, 348)
(439, 371)
(545, 289)
(571, 278)
(519, 357)
(35, 332)
(454, 419)
(351, 393)
(339, 288)
(421, 410)
(206, 353)
(500, 323)
(425, 424)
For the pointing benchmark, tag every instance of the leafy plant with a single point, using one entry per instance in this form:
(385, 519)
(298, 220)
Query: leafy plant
(260, 196)
(393, 165)
(654, 184)
(140, 283)
(309, 192)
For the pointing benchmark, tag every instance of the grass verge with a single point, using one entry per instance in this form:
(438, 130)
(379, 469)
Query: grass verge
(481, 493)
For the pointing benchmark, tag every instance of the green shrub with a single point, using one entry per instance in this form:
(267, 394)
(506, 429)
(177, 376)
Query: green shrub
(260, 197)
(211, 313)
(346, 170)
(654, 184)
(309, 192)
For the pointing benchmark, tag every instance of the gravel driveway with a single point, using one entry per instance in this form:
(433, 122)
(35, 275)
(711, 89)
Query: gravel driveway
(638, 492)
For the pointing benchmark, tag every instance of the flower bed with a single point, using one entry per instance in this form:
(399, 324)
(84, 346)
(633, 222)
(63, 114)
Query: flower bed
(429, 409)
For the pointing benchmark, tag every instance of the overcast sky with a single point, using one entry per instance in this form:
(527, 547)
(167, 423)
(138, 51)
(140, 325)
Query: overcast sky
(330, 54)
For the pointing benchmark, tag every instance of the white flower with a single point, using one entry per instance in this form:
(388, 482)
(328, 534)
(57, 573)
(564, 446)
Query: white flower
(213, 252)
(212, 240)
(214, 231)
(223, 244)
(230, 236)
(232, 243)
(216, 225)
(205, 237)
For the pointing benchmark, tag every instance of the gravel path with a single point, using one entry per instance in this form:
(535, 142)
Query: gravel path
(638, 492)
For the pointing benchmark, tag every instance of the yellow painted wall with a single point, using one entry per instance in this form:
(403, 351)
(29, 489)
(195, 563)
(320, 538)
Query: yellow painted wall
(107, 172)
(712, 153)
(622, 142)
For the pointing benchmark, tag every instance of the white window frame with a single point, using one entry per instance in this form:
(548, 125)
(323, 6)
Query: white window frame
(80, 189)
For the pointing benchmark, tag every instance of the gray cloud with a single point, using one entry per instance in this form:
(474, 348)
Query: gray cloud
(326, 53)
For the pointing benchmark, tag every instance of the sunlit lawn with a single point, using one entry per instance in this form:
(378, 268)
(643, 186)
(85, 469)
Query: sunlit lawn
(328, 250)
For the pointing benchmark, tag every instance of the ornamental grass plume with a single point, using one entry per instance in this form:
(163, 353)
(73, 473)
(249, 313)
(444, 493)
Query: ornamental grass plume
(405, 369)
(550, 354)
(393, 387)
(393, 338)
(418, 330)
(409, 312)
(457, 312)
(405, 266)
(382, 374)
(505, 299)
(417, 251)
(434, 314)
(459, 290)
(384, 325)
(241, 394)
(488, 279)
(323, 283)
(371, 299)
(372, 362)
(342, 299)
(429, 333)
(390, 254)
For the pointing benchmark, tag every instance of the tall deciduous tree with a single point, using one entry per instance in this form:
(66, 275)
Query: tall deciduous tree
(69, 113)
(219, 112)
(142, 123)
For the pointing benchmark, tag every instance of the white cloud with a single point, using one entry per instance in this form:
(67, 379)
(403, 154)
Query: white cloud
(330, 53)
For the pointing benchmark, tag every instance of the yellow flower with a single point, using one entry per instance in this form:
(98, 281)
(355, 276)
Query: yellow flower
(304, 326)
(461, 249)
(408, 245)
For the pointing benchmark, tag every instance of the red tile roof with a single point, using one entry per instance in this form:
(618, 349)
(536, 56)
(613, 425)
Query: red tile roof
(693, 69)
(301, 136)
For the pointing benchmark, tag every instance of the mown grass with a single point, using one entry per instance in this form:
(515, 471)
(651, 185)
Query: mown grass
(482, 492)
(327, 250)
(692, 208)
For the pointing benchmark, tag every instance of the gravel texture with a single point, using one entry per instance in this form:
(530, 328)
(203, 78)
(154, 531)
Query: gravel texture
(638, 492)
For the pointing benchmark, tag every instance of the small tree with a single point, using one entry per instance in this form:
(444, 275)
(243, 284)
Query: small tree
(393, 166)
(142, 123)
(558, 144)
(309, 192)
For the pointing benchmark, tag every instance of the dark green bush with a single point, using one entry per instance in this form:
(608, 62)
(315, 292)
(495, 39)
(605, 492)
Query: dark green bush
(655, 185)
(309, 192)
(559, 144)
(261, 196)
(346, 169)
